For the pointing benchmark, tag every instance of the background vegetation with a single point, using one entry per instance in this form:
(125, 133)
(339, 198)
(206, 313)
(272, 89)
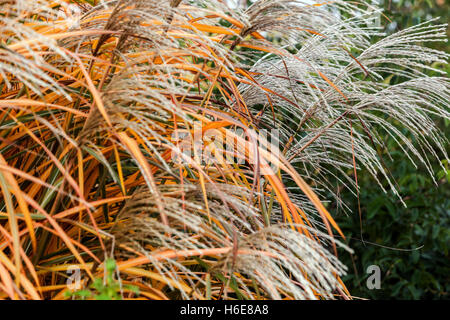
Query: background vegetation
(425, 223)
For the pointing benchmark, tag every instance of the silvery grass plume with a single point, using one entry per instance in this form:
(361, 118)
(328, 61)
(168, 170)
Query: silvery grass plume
(96, 96)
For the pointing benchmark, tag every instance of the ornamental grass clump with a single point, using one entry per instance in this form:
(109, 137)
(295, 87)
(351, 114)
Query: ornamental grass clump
(194, 142)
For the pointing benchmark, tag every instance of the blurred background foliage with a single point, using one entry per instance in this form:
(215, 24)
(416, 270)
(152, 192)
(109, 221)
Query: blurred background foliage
(424, 226)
